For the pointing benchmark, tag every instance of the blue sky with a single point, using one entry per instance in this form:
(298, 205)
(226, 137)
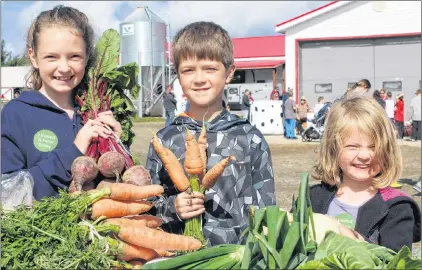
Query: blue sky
(240, 18)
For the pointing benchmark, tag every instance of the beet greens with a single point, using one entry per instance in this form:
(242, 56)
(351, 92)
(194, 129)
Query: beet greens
(107, 88)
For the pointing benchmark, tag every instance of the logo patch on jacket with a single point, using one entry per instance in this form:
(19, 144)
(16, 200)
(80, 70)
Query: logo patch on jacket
(45, 140)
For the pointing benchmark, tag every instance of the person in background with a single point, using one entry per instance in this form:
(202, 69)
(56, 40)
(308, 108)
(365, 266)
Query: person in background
(378, 98)
(246, 104)
(290, 114)
(365, 84)
(16, 93)
(415, 116)
(359, 157)
(360, 88)
(382, 94)
(284, 98)
(389, 106)
(399, 115)
(169, 105)
(302, 114)
(319, 105)
(275, 94)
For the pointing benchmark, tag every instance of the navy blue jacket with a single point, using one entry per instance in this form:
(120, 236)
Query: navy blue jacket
(38, 136)
(391, 218)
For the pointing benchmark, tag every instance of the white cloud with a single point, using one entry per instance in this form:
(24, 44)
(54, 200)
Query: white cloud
(101, 14)
(240, 18)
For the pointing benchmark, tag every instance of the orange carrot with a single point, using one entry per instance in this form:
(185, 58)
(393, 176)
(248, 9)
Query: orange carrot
(149, 220)
(151, 223)
(165, 253)
(157, 239)
(112, 208)
(130, 252)
(193, 162)
(212, 175)
(129, 192)
(202, 142)
(172, 165)
(127, 251)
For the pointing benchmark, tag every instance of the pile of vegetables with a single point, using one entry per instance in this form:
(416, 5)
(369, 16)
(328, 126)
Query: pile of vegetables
(195, 166)
(277, 239)
(103, 228)
(107, 84)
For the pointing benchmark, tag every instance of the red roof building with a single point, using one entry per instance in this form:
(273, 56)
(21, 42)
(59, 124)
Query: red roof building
(258, 52)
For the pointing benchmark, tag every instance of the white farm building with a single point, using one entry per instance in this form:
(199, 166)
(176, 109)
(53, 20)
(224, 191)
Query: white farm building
(344, 41)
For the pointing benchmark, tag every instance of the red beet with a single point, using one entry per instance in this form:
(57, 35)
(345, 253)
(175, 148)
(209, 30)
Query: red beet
(137, 175)
(111, 164)
(84, 170)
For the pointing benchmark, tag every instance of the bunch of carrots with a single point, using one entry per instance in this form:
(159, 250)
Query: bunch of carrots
(195, 166)
(101, 228)
(138, 238)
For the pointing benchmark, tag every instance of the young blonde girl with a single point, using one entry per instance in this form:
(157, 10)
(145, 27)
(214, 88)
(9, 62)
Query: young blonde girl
(359, 159)
(41, 131)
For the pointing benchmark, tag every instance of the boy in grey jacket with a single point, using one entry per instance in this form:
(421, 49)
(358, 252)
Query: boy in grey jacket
(203, 58)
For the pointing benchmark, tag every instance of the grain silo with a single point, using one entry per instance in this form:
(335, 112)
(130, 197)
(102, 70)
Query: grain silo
(143, 40)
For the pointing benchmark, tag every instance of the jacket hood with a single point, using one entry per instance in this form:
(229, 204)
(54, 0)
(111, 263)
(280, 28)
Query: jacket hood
(36, 99)
(223, 122)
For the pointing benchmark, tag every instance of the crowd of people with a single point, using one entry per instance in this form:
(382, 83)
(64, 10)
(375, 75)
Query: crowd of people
(355, 168)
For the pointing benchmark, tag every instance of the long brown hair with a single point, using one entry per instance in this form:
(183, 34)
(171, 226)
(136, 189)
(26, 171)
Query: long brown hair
(64, 17)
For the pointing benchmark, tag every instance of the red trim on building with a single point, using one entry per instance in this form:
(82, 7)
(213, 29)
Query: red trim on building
(259, 64)
(301, 40)
(304, 14)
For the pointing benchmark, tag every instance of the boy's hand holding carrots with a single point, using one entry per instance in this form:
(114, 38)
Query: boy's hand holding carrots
(189, 205)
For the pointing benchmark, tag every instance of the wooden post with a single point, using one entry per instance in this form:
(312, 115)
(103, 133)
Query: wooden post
(274, 78)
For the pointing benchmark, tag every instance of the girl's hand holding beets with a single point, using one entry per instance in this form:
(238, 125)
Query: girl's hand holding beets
(89, 132)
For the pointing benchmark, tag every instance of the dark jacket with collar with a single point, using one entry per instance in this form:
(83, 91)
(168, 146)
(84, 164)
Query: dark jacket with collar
(37, 136)
(241, 185)
(391, 218)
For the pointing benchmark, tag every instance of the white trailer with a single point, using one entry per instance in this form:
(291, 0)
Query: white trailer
(258, 81)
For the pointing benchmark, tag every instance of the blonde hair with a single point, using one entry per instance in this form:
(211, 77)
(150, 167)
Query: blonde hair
(201, 41)
(371, 120)
(63, 17)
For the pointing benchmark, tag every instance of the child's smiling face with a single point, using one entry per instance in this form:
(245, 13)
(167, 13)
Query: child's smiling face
(358, 159)
(60, 59)
(203, 81)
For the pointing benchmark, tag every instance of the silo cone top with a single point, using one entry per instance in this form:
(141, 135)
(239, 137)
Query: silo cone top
(143, 14)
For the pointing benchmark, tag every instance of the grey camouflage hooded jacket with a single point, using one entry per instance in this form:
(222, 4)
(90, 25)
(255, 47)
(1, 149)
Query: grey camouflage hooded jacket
(249, 182)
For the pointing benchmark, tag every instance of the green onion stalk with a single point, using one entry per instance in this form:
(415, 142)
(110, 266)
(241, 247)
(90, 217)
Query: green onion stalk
(193, 226)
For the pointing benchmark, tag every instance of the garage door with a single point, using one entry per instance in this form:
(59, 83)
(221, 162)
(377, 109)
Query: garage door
(398, 66)
(327, 68)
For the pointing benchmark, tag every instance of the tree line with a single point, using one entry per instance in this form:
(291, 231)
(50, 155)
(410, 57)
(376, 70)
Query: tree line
(8, 60)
